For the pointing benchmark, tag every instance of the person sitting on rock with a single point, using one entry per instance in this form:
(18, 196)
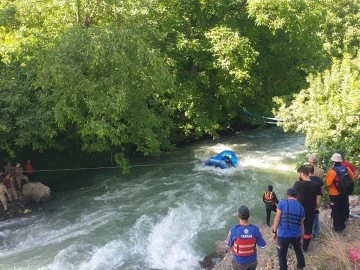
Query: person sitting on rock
(242, 239)
(9, 183)
(19, 176)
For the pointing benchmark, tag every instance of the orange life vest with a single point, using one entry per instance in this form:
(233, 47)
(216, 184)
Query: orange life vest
(244, 246)
(268, 198)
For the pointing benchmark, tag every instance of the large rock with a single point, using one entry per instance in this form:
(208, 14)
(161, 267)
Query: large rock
(221, 248)
(224, 264)
(36, 191)
(224, 252)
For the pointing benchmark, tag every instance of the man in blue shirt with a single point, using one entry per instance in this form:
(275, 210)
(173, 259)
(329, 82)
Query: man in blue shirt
(288, 228)
(242, 239)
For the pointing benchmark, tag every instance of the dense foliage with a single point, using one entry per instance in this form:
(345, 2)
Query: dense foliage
(328, 111)
(121, 77)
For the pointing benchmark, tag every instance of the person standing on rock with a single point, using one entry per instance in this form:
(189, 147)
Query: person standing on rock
(317, 170)
(288, 229)
(9, 168)
(348, 164)
(9, 183)
(355, 172)
(309, 195)
(318, 180)
(338, 202)
(29, 170)
(19, 176)
(242, 239)
(2, 192)
(270, 200)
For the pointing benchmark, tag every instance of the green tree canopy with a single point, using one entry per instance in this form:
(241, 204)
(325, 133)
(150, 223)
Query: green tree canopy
(134, 76)
(328, 112)
(83, 78)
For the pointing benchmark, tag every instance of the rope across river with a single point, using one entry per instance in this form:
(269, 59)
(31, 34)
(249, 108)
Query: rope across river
(113, 167)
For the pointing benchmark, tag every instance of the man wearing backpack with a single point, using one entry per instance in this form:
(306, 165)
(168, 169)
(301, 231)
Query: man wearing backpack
(340, 182)
(270, 200)
(349, 164)
(355, 173)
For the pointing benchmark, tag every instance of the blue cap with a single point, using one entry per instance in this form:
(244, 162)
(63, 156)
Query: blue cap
(292, 192)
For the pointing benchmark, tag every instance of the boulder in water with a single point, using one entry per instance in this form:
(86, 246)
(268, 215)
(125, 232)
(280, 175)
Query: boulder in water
(36, 191)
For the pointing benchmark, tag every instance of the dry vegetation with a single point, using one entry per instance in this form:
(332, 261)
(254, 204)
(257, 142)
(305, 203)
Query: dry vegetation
(333, 252)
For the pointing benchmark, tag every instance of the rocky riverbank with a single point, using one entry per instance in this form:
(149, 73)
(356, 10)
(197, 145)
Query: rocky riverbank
(18, 208)
(28, 200)
(319, 253)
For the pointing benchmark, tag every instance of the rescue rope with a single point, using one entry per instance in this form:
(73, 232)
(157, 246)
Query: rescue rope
(114, 167)
(268, 120)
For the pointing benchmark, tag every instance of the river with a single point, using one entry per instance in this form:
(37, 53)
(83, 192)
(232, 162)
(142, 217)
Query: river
(166, 214)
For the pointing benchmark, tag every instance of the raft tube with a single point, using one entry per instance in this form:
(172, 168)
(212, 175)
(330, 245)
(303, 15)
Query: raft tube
(223, 160)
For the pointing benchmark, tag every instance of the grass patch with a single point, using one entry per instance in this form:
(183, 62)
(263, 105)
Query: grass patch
(332, 252)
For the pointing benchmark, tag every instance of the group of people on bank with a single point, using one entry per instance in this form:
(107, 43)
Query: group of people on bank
(296, 220)
(12, 179)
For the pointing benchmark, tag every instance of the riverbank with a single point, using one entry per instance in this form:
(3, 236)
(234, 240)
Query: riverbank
(331, 251)
(27, 200)
(19, 208)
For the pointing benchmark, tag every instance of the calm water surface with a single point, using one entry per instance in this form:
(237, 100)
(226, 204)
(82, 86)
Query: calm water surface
(167, 214)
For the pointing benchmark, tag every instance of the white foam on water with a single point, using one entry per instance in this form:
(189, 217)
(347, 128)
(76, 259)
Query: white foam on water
(43, 234)
(110, 256)
(205, 152)
(216, 221)
(218, 171)
(171, 243)
(250, 156)
(273, 162)
(17, 221)
(80, 256)
(64, 259)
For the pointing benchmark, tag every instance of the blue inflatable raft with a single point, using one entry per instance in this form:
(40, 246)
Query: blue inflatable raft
(223, 160)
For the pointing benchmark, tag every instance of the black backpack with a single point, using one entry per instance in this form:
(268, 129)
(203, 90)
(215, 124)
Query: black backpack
(343, 182)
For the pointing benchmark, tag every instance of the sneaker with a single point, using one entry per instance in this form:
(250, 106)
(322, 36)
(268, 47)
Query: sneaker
(315, 237)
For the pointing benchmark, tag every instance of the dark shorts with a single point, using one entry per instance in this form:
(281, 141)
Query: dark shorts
(249, 266)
